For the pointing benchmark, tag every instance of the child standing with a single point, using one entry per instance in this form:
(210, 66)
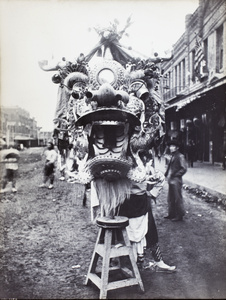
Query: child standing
(49, 168)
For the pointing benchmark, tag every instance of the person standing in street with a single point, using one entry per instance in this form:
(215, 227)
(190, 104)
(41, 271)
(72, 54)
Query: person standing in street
(49, 168)
(177, 167)
(191, 152)
(10, 161)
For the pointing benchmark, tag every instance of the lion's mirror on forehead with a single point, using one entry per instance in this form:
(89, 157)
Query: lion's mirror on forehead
(106, 76)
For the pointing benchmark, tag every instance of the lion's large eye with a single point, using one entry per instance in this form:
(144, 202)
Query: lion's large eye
(106, 76)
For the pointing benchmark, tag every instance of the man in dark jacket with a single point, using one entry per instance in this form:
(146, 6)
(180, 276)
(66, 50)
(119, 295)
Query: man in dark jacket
(177, 167)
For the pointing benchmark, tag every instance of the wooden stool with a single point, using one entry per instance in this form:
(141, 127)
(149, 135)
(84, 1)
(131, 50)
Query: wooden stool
(112, 242)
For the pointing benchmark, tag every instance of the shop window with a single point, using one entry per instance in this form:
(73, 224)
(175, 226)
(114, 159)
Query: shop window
(173, 125)
(204, 119)
(182, 124)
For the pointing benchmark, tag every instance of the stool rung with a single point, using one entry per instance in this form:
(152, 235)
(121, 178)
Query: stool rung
(127, 271)
(111, 268)
(122, 283)
(115, 284)
(115, 252)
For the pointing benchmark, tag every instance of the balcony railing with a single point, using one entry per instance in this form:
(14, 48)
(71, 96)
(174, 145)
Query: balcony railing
(170, 93)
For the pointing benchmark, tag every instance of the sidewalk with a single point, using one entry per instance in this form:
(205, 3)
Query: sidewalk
(203, 175)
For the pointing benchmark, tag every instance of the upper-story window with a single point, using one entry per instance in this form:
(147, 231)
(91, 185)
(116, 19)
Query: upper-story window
(176, 76)
(193, 65)
(205, 50)
(170, 80)
(219, 49)
(183, 74)
(179, 77)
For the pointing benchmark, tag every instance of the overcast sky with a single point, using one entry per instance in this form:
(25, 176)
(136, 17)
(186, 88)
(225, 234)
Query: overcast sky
(33, 30)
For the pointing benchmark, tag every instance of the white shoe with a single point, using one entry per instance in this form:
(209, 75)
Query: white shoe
(14, 190)
(42, 185)
(62, 178)
(50, 187)
(2, 191)
(150, 265)
(161, 266)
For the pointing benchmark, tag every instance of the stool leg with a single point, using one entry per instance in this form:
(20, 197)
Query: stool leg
(106, 264)
(134, 248)
(94, 258)
(132, 259)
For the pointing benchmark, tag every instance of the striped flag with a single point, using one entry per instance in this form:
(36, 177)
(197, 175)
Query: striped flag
(199, 57)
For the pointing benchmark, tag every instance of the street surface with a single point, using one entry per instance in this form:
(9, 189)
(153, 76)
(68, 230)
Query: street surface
(47, 240)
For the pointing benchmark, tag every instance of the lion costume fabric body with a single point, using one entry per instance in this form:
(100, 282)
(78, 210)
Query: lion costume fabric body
(115, 99)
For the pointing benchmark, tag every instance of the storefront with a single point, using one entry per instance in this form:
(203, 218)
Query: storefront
(21, 141)
(200, 119)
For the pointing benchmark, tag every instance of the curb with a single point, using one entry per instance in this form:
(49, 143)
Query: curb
(205, 194)
(199, 186)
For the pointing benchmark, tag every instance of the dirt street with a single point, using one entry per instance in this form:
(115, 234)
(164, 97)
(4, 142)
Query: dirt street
(47, 240)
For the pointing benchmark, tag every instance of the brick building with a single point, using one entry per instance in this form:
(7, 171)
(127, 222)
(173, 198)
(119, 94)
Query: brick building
(194, 81)
(19, 129)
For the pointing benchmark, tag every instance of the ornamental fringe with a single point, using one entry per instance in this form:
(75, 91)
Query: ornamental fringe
(112, 194)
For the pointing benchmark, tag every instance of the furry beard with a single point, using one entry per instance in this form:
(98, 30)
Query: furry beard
(112, 194)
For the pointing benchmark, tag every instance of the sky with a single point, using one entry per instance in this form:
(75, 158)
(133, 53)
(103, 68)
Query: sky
(33, 30)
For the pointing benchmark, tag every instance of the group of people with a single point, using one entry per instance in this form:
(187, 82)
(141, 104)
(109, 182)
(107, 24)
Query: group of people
(142, 229)
(73, 161)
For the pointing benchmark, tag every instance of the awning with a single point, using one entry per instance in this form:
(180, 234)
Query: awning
(11, 123)
(180, 104)
(22, 138)
(214, 83)
(185, 102)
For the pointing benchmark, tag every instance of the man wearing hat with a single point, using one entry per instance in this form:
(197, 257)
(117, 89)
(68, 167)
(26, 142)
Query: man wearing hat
(177, 167)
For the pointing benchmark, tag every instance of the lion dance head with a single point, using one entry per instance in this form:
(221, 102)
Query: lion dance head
(115, 100)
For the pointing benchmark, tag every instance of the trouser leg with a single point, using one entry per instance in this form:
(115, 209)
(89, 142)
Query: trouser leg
(14, 181)
(48, 173)
(156, 253)
(51, 177)
(45, 179)
(5, 180)
(85, 197)
(14, 177)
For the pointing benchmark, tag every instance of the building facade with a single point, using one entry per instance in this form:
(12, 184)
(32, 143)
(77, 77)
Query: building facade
(45, 137)
(194, 81)
(18, 129)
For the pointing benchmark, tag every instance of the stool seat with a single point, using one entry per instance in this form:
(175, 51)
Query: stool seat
(113, 242)
(116, 222)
